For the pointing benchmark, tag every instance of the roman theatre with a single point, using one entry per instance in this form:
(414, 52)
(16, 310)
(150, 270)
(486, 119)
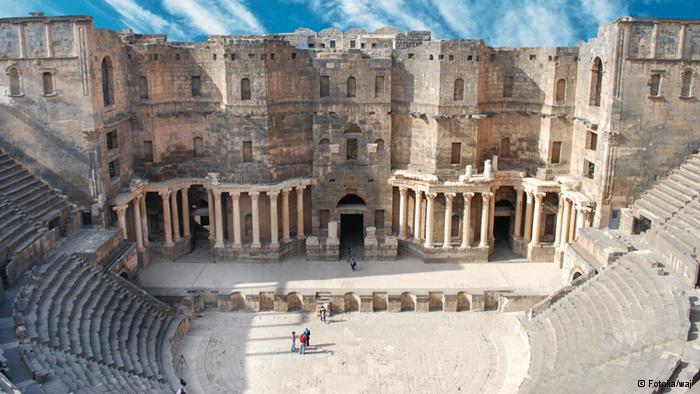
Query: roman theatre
(524, 220)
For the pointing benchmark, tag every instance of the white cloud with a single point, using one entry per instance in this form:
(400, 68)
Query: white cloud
(498, 22)
(215, 16)
(142, 20)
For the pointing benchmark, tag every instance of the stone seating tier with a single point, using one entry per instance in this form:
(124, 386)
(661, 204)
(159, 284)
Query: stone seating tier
(77, 315)
(624, 324)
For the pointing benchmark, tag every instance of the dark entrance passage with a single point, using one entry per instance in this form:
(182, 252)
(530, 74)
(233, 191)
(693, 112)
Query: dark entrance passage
(501, 228)
(351, 234)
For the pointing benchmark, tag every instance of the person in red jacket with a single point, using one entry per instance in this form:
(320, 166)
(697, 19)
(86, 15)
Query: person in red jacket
(302, 343)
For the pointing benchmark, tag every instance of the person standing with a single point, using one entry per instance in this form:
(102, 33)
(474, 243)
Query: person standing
(294, 341)
(322, 313)
(307, 337)
(302, 343)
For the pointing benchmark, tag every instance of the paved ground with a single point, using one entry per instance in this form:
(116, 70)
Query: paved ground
(197, 270)
(228, 352)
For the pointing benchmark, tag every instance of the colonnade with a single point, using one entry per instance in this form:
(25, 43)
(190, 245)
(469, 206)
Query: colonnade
(216, 194)
(570, 218)
(171, 215)
(533, 216)
(423, 224)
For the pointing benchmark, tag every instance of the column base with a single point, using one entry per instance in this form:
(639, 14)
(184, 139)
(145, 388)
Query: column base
(275, 246)
(540, 253)
(255, 246)
(286, 240)
(237, 247)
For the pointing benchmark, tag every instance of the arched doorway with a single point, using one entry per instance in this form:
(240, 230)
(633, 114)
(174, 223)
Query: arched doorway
(351, 209)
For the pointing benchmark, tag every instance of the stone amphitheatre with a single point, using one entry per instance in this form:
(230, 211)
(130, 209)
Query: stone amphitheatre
(525, 220)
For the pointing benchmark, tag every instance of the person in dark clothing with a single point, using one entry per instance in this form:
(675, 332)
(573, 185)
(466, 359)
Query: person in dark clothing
(307, 336)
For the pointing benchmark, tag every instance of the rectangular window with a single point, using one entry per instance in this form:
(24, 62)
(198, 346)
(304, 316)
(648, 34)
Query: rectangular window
(588, 169)
(196, 85)
(332, 44)
(294, 55)
(351, 149)
(363, 45)
(325, 88)
(374, 45)
(655, 85)
(47, 79)
(555, 156)
(549, 222)
(112, 142)
(148, 151)
(379, 219)
(323, 215)
(378, 85)
(86, 218)
(213, 57)
(114, 169)
(352, 43)
(591, 140)
(456, 155)
(508, 86)
(247, 151)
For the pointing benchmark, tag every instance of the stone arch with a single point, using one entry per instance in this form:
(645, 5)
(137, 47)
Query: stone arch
(596, 82)
(295, 302)
(47, 82)
(408, 302)
(380, 145)
(324, 141)
(576, 275)
(435, 301)
(245, 89)
(143, 88)
(350, 199)
(267, 301)
(379, 302)
(463, 303)
(353, 129)
(237, 301)
(107, 81)
(687, 83)
(15, 81)
(560, 92)
(351, 87)
(197, 147)
(352, 302)
(458, 93)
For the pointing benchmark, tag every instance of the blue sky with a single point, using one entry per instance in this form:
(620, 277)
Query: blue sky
(499, 22)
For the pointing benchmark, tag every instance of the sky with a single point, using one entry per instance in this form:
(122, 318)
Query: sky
(498, 22)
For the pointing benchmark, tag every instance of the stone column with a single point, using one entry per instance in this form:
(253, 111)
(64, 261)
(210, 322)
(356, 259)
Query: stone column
(485, 204)
(236, 198)
(167, 225)
(300, 212)
(560, 214)
(121, 218)
(186, 212)
(564, 237)
(537, 219)
(174, 212)
(274, 235)
(256, 220)
(210, 210)
(429, 220)
(136, 202)
(417, 223)
(492, 216)
(285, 216)
(467, 220)
(587, 214)
(447, 236)
(517, 234)
(144, 219)
(528, 217)
(402, 212)
(572, 223)
(219, 220)
(579, 221)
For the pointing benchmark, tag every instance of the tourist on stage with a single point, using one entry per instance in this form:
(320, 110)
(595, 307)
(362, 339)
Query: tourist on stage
(294, 341)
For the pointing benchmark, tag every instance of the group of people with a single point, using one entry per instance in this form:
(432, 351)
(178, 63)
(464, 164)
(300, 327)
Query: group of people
(303, 340)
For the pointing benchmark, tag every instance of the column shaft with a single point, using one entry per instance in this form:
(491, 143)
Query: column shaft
(285, 216)
(210, 210)
(300, 212)
(144, 219)
(564, 237)
(560, 214)
(537, 219)
(402, 212)
(273, 219)
(572, 223)
(167, 226)
(467, 220)
(429, 220)
(485, 205)
(417, 216)
(137, 222)
(186, 212)
(121, 219)
(517, 226)
(174, 211)
(236, 198)
(447, 236)
(492, 216)
(219, 220)
(528, 217)
(256, 220)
